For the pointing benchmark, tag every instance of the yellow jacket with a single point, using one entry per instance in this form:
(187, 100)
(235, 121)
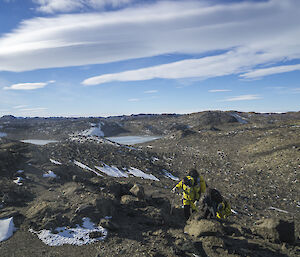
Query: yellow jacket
(224, 210)
(191, 190)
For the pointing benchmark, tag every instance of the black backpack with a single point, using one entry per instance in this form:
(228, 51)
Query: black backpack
(215, 196)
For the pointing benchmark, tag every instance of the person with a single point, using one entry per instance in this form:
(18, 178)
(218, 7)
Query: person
(192, 186)
(215, 206)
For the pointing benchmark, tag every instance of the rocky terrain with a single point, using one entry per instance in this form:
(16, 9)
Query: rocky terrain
(253, 159)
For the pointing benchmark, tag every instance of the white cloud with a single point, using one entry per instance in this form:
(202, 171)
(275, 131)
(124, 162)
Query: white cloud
(20, 106)
(133, 100)
(232, 62)
(26, 86)
(265, 29)
(219, 90)
(37, 109)
(151, 91)
(52, 6)
(296, 90)
(270, 71)
(243, 98)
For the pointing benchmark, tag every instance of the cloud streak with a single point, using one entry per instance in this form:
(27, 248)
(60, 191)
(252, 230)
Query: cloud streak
(26, 86)
(219, 90)
(232, 62)
(270, 71)
(243, 98)
(268, 28)
(53, 6)
(151, 92)
(133, 100)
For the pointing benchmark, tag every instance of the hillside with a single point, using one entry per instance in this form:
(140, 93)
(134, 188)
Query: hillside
(253, 159)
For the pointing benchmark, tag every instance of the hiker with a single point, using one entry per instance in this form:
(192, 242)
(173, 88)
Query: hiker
(215, 206)
(192, 186)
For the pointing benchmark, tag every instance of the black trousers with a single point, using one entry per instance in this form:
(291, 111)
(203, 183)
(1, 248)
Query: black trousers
(187, 211)
(209, 208)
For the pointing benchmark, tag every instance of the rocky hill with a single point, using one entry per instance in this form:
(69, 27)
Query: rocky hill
(88, 196)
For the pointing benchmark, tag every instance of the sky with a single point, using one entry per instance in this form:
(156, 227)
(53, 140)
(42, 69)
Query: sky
(120, 57)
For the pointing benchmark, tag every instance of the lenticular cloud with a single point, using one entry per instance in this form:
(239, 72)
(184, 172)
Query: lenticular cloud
(244, 31)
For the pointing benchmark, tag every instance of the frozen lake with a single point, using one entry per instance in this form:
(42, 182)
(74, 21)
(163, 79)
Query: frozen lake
(131, 140)
(38, 141)
(2, 134)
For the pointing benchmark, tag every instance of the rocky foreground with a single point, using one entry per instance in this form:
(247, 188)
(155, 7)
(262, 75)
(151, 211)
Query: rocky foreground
(255, 167)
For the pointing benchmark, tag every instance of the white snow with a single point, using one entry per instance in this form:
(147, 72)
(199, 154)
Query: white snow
(138, 173)
(233, 211)
(112, 171)
(49, 174)
(83, 166)
(18, 181)
(7, 228)
(73, 236)
(239, 118)
(93, 131)
(276, 209)
(155, 159)
(169, 175)
(2, 134)
(55, 162)
(39, 141)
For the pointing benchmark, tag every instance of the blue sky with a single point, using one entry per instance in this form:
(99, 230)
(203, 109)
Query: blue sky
(114, 57)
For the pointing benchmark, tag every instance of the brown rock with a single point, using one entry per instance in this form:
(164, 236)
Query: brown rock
(276, 230)
(138, 191)
(203, 227)
(128, 199)
(108, 224)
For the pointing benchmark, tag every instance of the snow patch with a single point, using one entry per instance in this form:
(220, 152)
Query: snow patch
(83, 166)
(2, 134)
(55, 162)
(93, 131)
(169, 175)
(276, 209)
(138, 173)
(7, 228)
(112, 171)
(39, 141)
(73, 236)
(233, 211)
(49, 174)
(18, 181)
(239, 118)
(20, 171)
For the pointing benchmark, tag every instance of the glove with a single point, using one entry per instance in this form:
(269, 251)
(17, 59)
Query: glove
(174, 190)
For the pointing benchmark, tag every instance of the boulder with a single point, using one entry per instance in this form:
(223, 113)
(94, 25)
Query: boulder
(129, 199)
(203, 227)
(108, 224)
(40, 209)
(275, 230)
(138, 191)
